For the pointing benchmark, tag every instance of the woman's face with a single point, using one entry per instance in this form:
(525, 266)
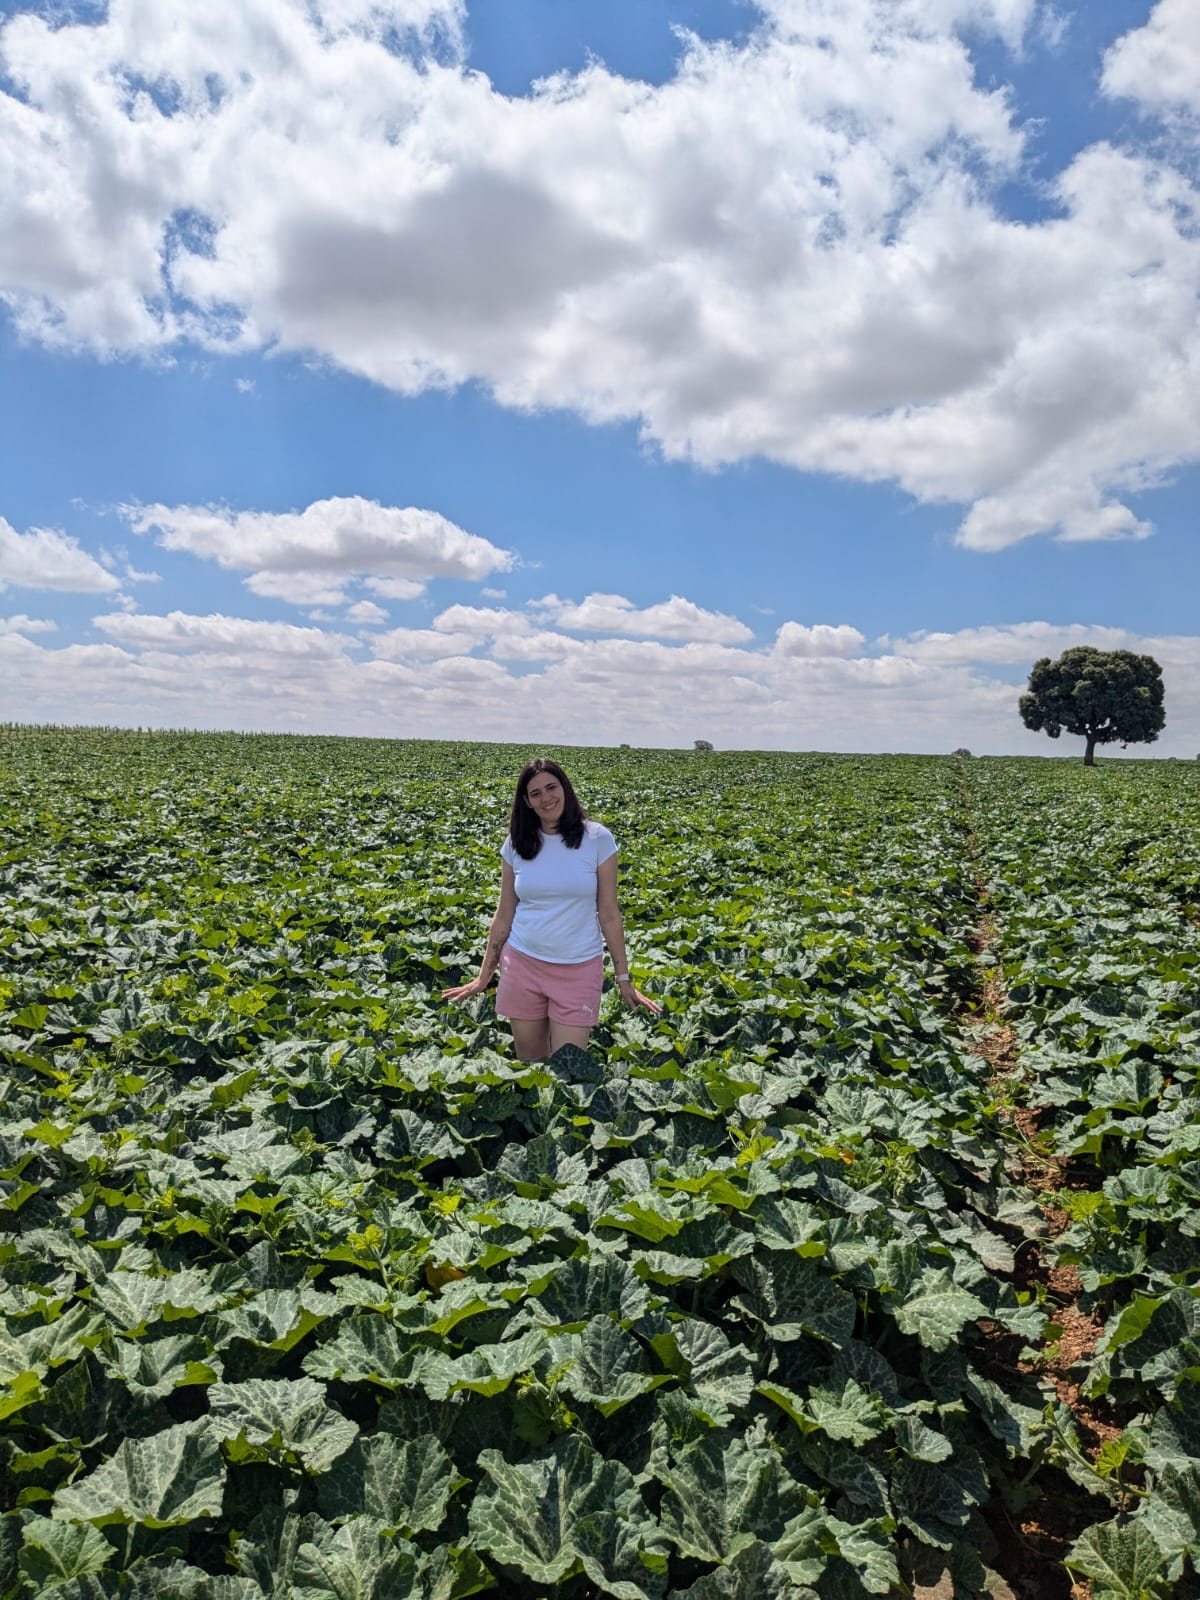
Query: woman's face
(545, 795)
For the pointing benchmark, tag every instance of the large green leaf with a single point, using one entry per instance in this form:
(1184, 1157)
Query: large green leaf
(717, 1371)
(802, 1548)
(404, 1485)
(792, 1297)
(622, 1557)
(847, 1412)
(279, 1318)
(937, 1309)
(722, 1495)
(847, 1469)
(528, 1515)
(583, 1289)
(266, 1552)
(36, 1349)
(54, 1551)
(165, 1478)
(929, 1500)
(869, 1549)
(289, 1415)
(131, 1300)
(1175, 1432)
(751, 1574)
(602, 1365)
(368, 1348)
(153, 1369)
(486, 1369)
(1172, 1512)
(1123, 1562)
(157, 1580)
(355, 1562)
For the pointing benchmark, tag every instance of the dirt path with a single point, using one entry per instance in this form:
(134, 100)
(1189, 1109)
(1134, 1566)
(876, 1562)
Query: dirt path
(1035, 1538)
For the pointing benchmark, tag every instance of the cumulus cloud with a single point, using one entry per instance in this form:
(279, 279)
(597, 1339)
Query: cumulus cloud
(795, 248)
(1018, 644)
(930, 692)
(308, 557)
(675, 618)
(421, 644)
(215, 634)
(45, 558)
(28, 625)
(395, 588)
(425, 18)
(366, 613)
(510, 635)
(794, 639)
(1158, 65)
(298, 588)
(481, 622)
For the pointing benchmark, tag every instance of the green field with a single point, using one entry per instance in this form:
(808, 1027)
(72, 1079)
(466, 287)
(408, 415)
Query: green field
(871, 1265)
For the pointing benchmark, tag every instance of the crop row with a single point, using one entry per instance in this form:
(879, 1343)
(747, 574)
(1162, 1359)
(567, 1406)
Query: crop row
(1095, 885)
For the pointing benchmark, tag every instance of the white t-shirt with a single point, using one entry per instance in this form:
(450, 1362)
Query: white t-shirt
(556, 916)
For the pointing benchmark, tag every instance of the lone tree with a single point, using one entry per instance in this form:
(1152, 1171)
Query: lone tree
(1101, 695)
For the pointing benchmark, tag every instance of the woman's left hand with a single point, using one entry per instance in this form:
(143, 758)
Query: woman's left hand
(634, 998)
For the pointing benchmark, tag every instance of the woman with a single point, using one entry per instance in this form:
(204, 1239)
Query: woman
(557, 911)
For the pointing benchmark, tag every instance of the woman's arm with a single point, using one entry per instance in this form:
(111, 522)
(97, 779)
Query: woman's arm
(498, 931)
(613, 930)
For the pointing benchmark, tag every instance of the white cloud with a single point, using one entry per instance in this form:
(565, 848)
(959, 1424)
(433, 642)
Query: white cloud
(44, 558)
(366, 613)
(1158, 65)
(675, 618)
(420, 644)
(27, 625)
(396, 588)
(493, 594)
(181, 632)
(794, 639)
(931, 692)
(510, 635)
(481, 622)
(375, 17)
(793, 249)
(541, 644)
(1018, 644)
(308, 557)
(298, 588)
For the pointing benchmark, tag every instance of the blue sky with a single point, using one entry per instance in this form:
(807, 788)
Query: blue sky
(782, 375)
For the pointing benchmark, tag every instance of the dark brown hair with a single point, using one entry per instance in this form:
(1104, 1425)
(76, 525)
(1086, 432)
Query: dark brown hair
(523, 828)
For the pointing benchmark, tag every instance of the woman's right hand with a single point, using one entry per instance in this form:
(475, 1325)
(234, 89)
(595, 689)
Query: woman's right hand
(468, 991)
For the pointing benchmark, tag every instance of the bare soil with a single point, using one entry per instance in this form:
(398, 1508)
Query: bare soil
(1032, 1542)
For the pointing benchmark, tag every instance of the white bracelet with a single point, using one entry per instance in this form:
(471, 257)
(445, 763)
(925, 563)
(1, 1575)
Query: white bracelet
(621, 977)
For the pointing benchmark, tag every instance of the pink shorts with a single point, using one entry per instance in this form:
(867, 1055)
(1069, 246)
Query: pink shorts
(566, 992)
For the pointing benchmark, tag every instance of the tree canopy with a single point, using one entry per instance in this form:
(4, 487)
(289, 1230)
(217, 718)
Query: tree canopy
(1103, 696)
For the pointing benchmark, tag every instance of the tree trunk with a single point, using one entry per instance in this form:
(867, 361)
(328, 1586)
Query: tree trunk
(1089, 755)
